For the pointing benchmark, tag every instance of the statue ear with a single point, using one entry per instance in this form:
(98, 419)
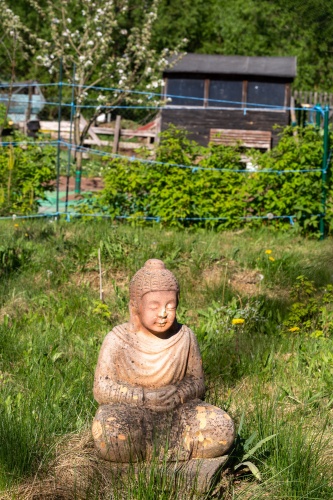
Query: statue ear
(132, 306)
(133, 309)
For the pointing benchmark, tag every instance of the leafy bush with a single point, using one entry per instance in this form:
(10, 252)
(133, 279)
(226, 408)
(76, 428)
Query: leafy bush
(210, 186)
(172, 193)
(292, 193)
(25, 173)
(13, 257)
(312, 312)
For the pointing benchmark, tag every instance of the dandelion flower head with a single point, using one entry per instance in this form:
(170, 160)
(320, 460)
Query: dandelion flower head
(238, 321)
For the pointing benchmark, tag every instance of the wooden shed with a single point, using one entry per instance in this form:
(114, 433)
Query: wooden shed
(229, 98)
(26, 101)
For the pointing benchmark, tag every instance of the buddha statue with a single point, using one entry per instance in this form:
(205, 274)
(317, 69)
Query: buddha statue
(149, 382)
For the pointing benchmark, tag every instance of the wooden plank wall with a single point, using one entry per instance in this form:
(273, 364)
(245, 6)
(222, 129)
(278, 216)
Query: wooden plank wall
(199, 121)
(307, 97)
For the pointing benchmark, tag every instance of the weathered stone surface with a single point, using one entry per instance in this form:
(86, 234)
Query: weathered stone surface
(149, 382)
(202, 472)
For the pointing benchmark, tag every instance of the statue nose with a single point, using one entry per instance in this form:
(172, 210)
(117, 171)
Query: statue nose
(162, 313)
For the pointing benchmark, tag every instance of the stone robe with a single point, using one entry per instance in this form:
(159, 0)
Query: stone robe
(126, 428)
(130, 362)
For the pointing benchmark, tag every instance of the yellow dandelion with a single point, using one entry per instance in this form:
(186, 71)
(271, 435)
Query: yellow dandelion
(26, 234)
(294, 329)
(268, 252)
(271, 259)
(16, 225)
(238, 321)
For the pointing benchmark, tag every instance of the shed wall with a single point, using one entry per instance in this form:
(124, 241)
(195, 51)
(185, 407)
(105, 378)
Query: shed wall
(198, 122)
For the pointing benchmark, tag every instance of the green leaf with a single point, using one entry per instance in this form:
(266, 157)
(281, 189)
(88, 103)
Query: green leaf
(253, 468)
(251, 452)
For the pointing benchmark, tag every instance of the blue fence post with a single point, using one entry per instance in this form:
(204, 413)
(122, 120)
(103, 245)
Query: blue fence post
(59, 134)
(70, 138)
(324, 172)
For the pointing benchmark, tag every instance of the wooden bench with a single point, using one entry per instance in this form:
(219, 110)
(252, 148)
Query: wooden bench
(245, 138)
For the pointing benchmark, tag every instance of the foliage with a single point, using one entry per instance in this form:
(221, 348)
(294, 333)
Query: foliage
(291, 193)
(102, 43)
(13, 257)
(312, 313)
(255, 28)
(244, 27)
(25, 173)
(3, 116)
(209, 186)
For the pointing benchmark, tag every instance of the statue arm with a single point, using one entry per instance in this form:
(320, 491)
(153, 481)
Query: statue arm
(193, 384)
(106, 388)
(108, 391)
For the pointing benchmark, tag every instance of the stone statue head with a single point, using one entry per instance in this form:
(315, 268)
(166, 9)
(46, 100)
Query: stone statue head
(154, 295)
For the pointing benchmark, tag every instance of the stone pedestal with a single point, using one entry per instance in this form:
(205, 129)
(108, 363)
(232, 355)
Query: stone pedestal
(202, 473)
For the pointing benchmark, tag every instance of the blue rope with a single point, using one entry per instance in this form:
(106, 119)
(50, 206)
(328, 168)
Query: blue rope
(194, 168)
(29, 143)
(156, 218)
(163, 96)
(34, 216)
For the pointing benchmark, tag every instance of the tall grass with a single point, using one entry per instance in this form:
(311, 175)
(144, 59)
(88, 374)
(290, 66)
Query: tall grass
(52, 325)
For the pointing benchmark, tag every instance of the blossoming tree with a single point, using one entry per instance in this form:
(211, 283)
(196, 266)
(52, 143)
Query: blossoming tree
(108, 41)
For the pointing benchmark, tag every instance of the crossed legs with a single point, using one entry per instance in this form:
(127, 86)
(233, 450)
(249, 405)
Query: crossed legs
(126, 433)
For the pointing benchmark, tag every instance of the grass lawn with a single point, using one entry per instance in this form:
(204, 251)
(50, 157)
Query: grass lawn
(273, 372)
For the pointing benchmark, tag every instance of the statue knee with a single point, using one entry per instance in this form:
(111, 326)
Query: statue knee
(209, 431)
(222, 431)
(117, 432)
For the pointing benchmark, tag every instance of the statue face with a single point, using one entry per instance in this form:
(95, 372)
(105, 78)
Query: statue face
(157, 312)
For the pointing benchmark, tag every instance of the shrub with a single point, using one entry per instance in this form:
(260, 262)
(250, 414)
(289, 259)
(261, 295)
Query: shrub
(292, 193)
(210, 186)
(25, 173)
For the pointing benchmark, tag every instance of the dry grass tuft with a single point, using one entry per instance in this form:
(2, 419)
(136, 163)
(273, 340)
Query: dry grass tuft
(16, 304)
(76, 473)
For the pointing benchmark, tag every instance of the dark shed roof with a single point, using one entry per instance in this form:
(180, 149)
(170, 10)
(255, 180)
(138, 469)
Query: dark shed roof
(235, 65)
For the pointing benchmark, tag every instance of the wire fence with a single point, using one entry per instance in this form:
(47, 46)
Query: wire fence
(64, 105)
(165, 98)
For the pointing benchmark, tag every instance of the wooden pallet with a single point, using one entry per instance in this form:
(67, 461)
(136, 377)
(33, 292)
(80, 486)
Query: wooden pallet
(246, 138)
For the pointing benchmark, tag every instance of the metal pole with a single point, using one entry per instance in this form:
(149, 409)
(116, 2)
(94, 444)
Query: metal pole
(318, 115)
(324, 172)
(70, 140)
(59, 135)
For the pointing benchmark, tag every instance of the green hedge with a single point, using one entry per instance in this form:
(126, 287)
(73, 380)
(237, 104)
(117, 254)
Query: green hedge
(25, 173)
(137, 189)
